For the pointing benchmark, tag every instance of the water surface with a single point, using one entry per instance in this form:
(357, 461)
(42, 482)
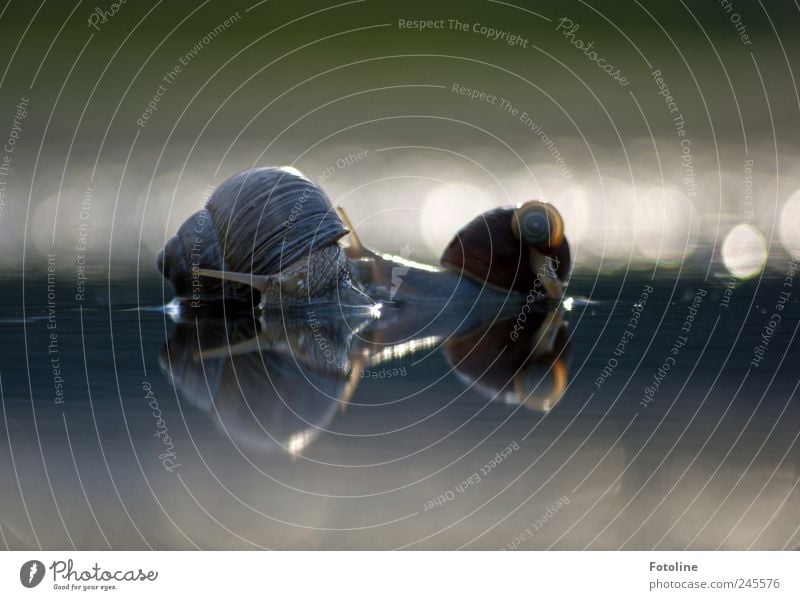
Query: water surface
(163, 438)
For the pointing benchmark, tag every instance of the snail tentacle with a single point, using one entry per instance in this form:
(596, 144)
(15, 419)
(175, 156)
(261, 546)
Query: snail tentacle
(257, 282)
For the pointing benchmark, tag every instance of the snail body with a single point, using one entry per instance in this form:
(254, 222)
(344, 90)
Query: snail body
(271, 236)
(492, 257)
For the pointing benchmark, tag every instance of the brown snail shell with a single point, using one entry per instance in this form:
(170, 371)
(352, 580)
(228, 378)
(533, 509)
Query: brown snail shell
(511, 247)
(256, 224)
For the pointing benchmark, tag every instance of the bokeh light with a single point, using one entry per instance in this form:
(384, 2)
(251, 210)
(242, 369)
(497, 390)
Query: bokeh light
(744, 251)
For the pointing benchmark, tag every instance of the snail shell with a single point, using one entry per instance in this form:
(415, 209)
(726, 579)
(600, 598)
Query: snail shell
(259, 222)
(519, 248)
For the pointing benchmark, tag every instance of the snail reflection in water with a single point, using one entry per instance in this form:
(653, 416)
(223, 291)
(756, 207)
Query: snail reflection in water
(271, 236)
(276, 384)
(268, 385)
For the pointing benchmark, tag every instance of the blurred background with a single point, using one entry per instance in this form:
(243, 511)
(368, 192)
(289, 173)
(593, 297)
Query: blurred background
(668, 135)
(367, 106)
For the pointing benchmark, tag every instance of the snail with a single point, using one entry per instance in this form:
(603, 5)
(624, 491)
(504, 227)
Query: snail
(270, 236)
(271, 232)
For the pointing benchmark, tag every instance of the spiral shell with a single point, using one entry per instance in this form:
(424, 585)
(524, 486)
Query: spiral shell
(259, 221)
(194, 246)
(519, 248)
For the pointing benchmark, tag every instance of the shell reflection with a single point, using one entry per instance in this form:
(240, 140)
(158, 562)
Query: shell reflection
(275, 384)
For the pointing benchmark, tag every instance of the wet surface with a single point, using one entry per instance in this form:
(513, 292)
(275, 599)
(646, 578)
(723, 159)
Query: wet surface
(620, 423)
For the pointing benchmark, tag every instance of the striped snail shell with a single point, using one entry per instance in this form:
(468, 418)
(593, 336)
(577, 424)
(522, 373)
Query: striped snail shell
(263, 227)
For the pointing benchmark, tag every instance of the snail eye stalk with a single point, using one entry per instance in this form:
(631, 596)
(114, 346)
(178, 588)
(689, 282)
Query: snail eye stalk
(257, 282)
